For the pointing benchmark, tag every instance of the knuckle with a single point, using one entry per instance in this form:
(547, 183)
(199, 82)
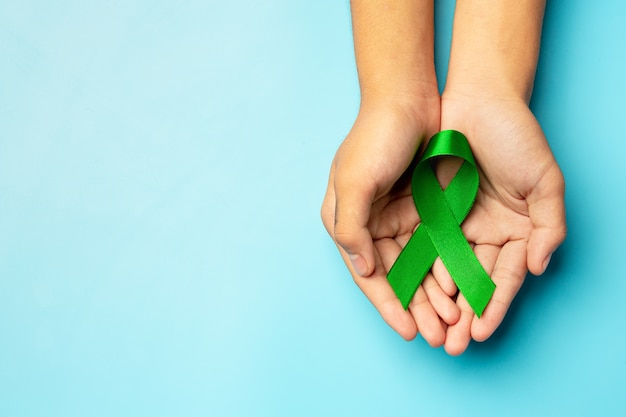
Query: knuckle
(344, 236)
(328, 216)
(505, 274)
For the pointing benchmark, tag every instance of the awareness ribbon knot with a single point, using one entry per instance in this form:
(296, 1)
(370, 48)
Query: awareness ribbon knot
(439, 233)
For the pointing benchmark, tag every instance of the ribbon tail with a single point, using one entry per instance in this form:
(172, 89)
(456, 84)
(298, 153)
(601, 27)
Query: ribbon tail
(414, 262)
(475, 285)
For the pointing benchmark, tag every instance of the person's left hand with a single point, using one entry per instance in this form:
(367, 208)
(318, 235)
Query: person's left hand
(518, 218)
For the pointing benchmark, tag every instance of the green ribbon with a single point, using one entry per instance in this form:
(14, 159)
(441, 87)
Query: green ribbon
(439, 233)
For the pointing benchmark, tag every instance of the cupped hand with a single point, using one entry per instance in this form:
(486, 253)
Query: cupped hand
(369, 212)
(518, 218)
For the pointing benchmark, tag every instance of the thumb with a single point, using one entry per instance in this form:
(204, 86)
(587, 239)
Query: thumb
(353, 202)
(547, 215)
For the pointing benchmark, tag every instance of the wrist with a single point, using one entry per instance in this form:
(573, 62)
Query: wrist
(399, 92)
(489, 85)
(472, 114)
(416, 108)
(470, 94)
(388, 132)
(495, 48)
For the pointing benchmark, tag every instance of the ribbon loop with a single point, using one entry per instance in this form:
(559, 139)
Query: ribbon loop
(439, 233)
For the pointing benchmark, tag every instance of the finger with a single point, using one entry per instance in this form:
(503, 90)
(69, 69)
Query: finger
(420, 307)
(426, 318)
(377, 289)
(327, 211)
(403, 239)
(398, 217)
(458, 336)
(443, 278)
(546, 209)
(487, 255)
(508, 274)
(444, 306)
(353, 201)
(445, 286)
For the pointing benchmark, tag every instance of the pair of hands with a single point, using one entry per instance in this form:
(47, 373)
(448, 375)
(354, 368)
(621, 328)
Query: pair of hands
(517, 221)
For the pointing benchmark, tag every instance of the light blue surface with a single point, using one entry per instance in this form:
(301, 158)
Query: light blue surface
(161, 170)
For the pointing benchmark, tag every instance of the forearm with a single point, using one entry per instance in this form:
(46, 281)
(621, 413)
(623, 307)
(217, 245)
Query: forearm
(393, 42)
(495, 47)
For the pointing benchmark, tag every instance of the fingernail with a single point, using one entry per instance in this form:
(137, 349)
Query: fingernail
(358, 263)
(546, 262)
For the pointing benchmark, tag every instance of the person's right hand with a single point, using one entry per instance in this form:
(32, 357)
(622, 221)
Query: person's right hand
(369, 212)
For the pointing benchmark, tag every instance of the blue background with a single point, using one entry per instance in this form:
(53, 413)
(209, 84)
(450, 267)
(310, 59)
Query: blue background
(162, 165)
